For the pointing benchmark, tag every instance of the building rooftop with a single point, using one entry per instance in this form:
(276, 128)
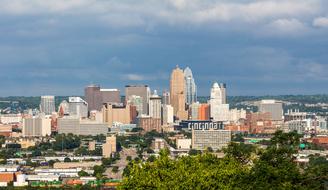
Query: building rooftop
(109, 89)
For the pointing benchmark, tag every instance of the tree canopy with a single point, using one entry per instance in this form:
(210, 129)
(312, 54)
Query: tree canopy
(243, 167)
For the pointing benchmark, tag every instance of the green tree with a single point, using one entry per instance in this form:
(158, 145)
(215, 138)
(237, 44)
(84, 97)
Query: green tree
(82, 173)
(193, 152)
(36, 153)
(107, 162)
(240, 151)
(115, 169)
(151, 158)
(67, 159)
(238, 138)
(316, 173)
(98, 171)
(204, 171)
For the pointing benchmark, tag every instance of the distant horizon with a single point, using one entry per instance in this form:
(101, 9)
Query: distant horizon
(161, 95)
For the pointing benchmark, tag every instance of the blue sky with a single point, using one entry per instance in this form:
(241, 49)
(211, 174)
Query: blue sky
(256, 47)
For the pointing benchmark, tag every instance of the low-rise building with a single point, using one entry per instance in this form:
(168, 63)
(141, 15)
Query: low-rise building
(109, 147)
(158, 144)
(36, 127)
(183, 143)
(148, 123)
(215, 139)
(81, 127)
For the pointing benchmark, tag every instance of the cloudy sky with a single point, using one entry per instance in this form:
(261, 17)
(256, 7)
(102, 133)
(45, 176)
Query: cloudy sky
(256, 47)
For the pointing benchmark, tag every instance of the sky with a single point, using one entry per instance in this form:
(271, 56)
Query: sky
(256, 47)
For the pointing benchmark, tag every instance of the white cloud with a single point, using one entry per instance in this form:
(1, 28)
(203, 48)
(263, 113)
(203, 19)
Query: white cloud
(191, 11)
(286, 26)
(320, 22)
(133, 77)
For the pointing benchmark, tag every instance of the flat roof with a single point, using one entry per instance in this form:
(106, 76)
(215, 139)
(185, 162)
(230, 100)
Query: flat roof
(108, 89)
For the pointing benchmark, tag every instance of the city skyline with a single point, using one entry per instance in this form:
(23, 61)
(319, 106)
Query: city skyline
(269, 47)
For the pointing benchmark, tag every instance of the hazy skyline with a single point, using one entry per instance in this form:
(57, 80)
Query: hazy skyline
(255, 47)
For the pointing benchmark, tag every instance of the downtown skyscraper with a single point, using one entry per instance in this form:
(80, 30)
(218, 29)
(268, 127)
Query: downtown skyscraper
(47, 104)
(177, 94)
(219, 108)
(190, 87)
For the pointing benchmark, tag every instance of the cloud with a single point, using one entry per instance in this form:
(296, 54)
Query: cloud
(133, 77)
(320, 22)
(286, 26)
(245, 43)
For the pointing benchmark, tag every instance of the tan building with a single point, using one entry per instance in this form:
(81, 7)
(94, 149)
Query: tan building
(114, 113)
(177, 94)
(109, 147)
(36, 127)
(92, 145)
(155, 106)
(83, 165)
(148, 123)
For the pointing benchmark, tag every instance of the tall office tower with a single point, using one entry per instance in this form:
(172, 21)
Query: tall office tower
(219, 110)
(216, 95)
(93, 97)
(194, 110)
(223, 92)
(110, 96)
(177, 94)
(96, 97)
(167, 116)
(63, 108)
(204, 112)
(166, 98)
(191, 88)
(272, 106)
(47, 104)
(137, 102)
(139, 90)
(155, 106)
(78, 107)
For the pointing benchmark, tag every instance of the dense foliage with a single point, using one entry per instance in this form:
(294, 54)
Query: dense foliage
(243, 167)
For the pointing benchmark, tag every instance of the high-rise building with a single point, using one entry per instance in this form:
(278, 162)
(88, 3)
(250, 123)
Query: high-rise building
(78, 107)
(139, 90)
(194, 110)
(110, 96)
(177, 94)
(96, 96)
(190, 87)
(116, 113)
(271, 106)
(204, 112)
(47, 104)
(155, 106)
(219, 109)
(148, 123)
(136, 101)
(36, 127)
(93, 97)
(167, 115)
(63, 108)
(223, 92)
(166, 98)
